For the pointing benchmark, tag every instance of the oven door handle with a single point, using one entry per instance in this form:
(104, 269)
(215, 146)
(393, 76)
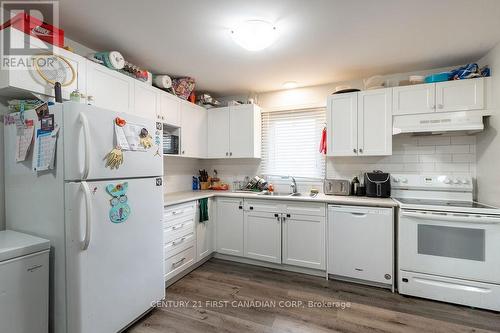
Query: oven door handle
(453, 218)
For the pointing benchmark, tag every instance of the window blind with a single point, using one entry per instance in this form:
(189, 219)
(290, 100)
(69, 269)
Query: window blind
(290, 143)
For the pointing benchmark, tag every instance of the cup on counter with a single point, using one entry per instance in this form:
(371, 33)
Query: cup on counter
(204, 185)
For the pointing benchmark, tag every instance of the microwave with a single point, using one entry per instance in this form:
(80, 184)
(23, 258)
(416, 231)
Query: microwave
(170, 144)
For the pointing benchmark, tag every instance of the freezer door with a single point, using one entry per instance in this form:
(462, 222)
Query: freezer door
(89, 136)
(114, 263)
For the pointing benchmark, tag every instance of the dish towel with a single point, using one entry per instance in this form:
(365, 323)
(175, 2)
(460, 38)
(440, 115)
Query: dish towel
(322, 143)
(203, 204)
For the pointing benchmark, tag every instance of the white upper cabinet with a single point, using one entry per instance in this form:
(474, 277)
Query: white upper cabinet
(218, 129)
(22, 82)
(245, 131)
(360, 124)
(375, 122)
(420, 98)
(146, 100)
(110, 89)
(234, 132)
(460, 95)
(342, 120)
(193, 130)
(169, 109)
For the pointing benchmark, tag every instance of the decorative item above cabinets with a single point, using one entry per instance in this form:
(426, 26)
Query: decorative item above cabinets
(234, 132)
(360, 123)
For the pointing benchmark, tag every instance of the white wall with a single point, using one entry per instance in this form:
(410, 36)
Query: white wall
(178, 173)
(488, 142)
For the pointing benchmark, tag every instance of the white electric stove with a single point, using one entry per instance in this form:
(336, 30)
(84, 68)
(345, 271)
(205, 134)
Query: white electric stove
(448, 244)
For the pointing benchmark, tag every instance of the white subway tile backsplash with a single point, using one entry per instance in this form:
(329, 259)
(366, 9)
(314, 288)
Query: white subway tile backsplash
(434, 140)
(453, 149)
(453, 154)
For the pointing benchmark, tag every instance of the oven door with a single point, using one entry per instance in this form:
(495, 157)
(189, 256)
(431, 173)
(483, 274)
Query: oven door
(450, 244)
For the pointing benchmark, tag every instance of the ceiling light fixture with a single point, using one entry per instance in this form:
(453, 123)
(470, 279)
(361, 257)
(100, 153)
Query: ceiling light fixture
(290, 84)
(254, 35)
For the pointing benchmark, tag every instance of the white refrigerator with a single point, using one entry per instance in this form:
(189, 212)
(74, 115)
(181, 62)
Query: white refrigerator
(104, 225)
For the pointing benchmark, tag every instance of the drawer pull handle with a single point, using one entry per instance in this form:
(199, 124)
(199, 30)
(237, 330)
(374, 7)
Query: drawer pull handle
(175, 212)
(178, 262)
(175, 227)
(174, 243)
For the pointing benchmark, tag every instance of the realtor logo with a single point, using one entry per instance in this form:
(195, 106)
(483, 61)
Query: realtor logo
(28, 28)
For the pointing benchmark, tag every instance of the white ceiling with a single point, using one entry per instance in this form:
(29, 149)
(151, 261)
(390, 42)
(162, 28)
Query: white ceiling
(320, 41)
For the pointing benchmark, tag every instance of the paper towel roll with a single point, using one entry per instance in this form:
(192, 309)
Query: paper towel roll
(162, 81)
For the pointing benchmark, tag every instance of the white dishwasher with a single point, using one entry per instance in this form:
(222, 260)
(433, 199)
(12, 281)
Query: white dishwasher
(361, 244)
(24, 283)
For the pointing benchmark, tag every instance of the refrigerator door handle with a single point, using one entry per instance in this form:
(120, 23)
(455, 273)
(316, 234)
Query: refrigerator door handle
(88, 215)
(86, 136)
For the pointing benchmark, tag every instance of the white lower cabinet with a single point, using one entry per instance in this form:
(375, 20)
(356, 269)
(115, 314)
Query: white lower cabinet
(229, 229)
(360, 243)
(205, 235)
(304, 240)
(285, 232)
(262, 240)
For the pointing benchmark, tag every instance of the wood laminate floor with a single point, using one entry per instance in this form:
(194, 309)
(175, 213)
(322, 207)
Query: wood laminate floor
(222, 296)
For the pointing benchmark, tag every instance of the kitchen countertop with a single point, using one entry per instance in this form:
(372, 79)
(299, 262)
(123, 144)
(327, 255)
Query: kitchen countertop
(181, 197)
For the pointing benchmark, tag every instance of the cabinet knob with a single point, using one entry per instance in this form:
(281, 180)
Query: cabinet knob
(288, 215)
(183, 152)
(276, 215)
(251, 207)
(231, 154)
(240, 207)
(361, 150)
(355, 150)
(227, 153)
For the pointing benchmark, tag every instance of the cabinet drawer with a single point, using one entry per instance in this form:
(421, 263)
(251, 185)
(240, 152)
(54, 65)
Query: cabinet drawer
(178, 262)
(178, 244)
(178, 230)
(264, 205)
(306, 208)
(181, 211)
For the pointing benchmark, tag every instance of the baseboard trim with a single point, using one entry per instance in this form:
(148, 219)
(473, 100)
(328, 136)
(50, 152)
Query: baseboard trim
(282, 267)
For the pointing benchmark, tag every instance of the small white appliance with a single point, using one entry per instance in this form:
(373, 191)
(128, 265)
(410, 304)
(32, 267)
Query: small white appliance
(105, 272)
(24, 283)
(448, 244)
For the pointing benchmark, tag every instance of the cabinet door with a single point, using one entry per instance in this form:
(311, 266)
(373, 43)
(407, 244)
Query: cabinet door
(368, 255)
(460, 95)
(111, 90)
(229, 228)
(218, 133)
(342, 125)
(193, 130)
(304, 241)
(244, 131)
(262, 236)
(375, 122)
(205, 237)
(420, 98)
(170, 109)
(145, 100)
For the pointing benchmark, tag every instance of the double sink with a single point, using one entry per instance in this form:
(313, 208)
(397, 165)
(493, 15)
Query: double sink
(279, 194)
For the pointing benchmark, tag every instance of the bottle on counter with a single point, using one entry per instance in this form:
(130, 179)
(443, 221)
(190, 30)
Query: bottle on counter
(355, 186)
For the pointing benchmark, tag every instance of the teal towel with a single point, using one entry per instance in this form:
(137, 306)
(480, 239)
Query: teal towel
(203, 204)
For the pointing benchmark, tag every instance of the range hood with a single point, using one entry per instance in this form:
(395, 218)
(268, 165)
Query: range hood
(438, 122)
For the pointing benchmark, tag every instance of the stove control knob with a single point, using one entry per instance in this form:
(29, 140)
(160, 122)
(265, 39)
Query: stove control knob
(404, 180)
(447, 180)
(395, 179)
(465, 181)
(456, 181)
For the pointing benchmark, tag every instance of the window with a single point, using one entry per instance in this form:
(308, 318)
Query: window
(290, 143)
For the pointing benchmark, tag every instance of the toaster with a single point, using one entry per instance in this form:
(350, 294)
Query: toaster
(337, 187)
(378, 184)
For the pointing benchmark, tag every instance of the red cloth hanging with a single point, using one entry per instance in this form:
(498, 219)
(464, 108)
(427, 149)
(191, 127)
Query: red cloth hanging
(322, 144)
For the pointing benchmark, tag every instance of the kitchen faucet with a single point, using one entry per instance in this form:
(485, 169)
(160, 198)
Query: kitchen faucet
(293, 186)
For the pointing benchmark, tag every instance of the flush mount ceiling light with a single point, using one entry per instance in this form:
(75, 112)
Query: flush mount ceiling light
(290, 84)
(254, 35)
